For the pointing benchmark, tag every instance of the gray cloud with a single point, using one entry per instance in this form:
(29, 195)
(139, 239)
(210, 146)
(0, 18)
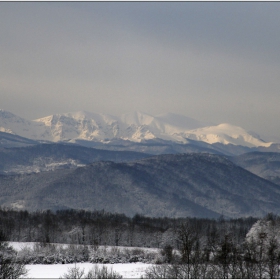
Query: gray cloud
(216, 61)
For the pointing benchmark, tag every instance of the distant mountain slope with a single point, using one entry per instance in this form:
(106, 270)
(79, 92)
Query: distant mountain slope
(265, 165)
(8, 140)
(135, 127)
(200, 185)
(44, 157)
(157, 146)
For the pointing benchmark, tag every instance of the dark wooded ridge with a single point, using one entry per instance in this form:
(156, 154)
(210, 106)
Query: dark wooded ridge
(104, 228)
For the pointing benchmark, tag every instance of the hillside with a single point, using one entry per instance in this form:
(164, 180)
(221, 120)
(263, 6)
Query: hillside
(265, 165)
(44, 157)
(8, 140)
(200, 185)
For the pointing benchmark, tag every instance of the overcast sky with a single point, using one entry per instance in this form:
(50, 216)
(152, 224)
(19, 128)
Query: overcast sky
(212, 61)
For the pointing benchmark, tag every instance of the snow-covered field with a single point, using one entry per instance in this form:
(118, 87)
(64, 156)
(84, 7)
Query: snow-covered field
(21, 245)
(127, 270)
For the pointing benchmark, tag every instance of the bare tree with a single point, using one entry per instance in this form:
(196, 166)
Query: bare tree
(9, 267)
(261, 253)
(273, 258)
(189, 247)
(250, 259)
(224, 256)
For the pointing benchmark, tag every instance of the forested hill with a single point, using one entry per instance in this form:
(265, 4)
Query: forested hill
(198, 185)
(45, 157)
(265, 165)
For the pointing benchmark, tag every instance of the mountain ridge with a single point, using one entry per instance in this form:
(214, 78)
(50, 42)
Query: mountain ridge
(135, 127)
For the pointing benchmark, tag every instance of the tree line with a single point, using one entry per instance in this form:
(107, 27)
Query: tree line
(221, 255)
(188, 247)
(104, 228)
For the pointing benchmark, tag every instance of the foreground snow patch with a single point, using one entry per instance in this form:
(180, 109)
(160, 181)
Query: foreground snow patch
(127, 270)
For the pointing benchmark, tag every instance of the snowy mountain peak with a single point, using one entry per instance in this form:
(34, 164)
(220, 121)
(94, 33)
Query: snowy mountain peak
(8, 116)
(79, 125)
(14, 124)
(134, 126)
(226, 134)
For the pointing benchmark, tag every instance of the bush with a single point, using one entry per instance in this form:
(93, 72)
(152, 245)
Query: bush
(94, 273)
(102, 273)
(167, 252)
(74, 273)
(9, 267)
(159, 272)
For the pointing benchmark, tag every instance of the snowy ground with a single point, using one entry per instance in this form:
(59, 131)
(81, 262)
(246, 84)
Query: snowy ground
(127, 270)
(20, 245)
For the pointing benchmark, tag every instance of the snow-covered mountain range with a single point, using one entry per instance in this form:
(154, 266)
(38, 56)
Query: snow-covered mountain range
(134, 127)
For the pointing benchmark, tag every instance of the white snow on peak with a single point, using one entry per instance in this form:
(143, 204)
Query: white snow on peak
(134, 126)
(226, 134)
(14, 124)
(80, 125)
(7, 130)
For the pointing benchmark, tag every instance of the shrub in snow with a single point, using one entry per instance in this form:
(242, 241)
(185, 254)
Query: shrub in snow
(43, 253)
(74, 273)
(115, 251)
(167, 253)
(102, 273)
(160, 272)
(94, 273)
(134, 259)
(10, 268)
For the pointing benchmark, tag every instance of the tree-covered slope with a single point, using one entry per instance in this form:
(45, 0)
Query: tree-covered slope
(200, 185)
(45, 157)
(263, 164)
